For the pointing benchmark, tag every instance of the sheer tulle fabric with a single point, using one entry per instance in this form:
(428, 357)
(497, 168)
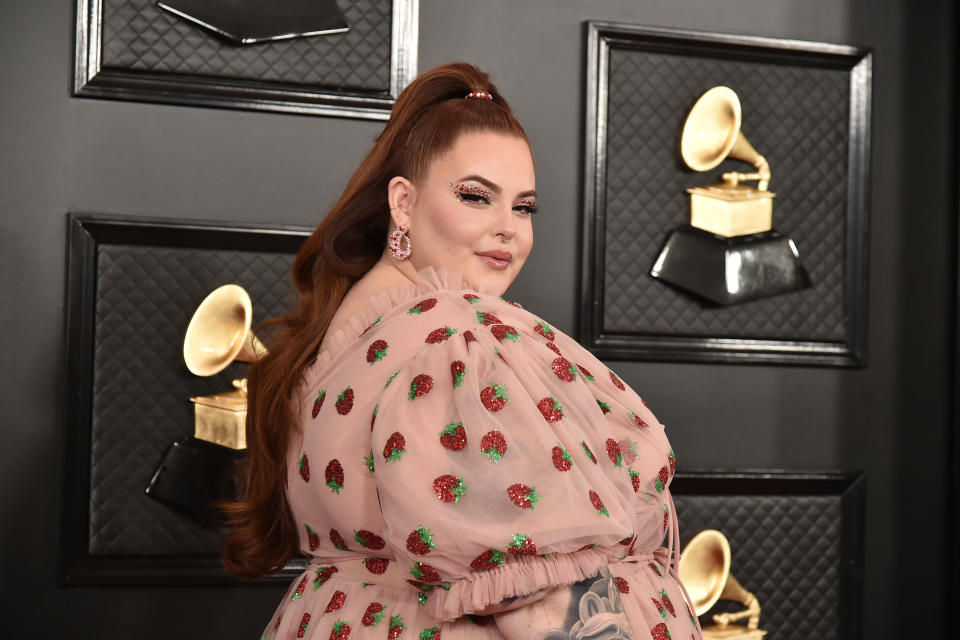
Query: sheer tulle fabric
(457, 450)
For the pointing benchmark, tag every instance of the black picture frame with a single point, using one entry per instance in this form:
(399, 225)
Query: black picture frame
(844, 489)
(677, 338)
(222, 88)
(87, 235)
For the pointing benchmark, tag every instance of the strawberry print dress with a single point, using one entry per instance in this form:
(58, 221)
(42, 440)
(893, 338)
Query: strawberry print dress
(458, 451)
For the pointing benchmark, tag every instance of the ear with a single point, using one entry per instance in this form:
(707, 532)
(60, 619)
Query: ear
(401, 194)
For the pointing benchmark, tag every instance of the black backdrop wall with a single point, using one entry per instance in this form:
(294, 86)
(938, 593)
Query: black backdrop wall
(60, 154)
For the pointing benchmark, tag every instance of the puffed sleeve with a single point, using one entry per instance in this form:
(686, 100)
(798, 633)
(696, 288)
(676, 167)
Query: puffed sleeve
(497, 469)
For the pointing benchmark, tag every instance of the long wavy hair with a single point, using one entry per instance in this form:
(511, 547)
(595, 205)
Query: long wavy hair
(426, 121)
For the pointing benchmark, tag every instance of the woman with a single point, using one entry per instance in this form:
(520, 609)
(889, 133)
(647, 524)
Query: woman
(451, 463)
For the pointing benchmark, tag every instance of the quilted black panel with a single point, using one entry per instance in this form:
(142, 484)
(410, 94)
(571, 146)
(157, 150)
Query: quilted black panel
(139, 36)
(786, 550)
(145, 298)
(797, 117)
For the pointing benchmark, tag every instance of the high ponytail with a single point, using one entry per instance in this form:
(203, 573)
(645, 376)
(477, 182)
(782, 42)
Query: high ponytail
(426, 120)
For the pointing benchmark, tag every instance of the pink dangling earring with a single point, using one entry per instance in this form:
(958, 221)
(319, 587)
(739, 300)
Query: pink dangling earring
(399, 234)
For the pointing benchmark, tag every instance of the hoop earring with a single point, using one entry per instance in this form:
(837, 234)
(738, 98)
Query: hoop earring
(399, 234)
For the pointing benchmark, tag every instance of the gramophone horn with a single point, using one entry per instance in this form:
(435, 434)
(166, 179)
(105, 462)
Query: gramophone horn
(711, 134)
(705, 572)
(219, 332)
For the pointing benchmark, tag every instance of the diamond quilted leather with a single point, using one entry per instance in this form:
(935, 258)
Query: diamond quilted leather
(786, 550)
(145, 298)
(139, 36)
(797, 117)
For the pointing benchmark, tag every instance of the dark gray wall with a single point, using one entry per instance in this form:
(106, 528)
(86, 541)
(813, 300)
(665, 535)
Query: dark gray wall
(60, 154)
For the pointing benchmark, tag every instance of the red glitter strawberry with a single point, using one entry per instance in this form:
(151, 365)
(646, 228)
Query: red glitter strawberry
(622, 585)
(376, 565)
(340, 631)
(586, 374)
(655, 568)
(368, 539)
(659, 606)
(672, 460)
(305, 468)
(433, 633)
(372, 325)
(457, 371)
(662, 477)
(376, 351)
(493, 445)
(666, 602)
(468, 337)
(563, 369)
(424, 572)
(420, 541)
(334, 475)
(561, 459)
(339, 597)
(637, 420)
(439, 335)
(666, 518)
(449, 488)
(423, 306)
(545, 330)
(345, 401)
(373, 615)
(660, 632)
(523, 496)
(318, 403)
(617, 381)
(313, 540)
(522, 545)
(489, 559)
(504, 332)
(589, 453)
(304, 623)
(420, 386)
(368, 461)
(598, 503)
(300, 589)
(613, 452)
(487, 319)
(471, 298)
(338, 540)
(550, 409)
(390, 379)
(494, 397)
(634, 479)
(553, 347)
(453, 436)
(373, 417)
(322, 575)
(592, 545)
(396, 628)
(396, 446)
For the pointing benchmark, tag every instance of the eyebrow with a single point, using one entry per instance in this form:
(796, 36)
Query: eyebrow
(493, 186)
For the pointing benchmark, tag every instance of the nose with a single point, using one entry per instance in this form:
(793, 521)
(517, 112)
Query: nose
(505, 224)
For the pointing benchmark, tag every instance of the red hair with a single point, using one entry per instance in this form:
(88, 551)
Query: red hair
(428, 117)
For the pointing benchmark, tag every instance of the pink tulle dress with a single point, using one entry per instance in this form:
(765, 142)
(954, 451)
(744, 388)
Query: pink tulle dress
(457, 450)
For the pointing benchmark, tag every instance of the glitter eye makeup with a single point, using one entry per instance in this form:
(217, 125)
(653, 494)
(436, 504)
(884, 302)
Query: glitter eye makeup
(472, 194)
(528, 206)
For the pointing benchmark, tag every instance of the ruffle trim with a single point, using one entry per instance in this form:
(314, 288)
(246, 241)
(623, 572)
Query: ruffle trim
(520, 576)
(429, 280)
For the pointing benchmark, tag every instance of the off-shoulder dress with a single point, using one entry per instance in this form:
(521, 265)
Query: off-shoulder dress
(458, 451)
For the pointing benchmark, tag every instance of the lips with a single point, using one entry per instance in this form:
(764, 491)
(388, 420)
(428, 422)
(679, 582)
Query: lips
(497, 254)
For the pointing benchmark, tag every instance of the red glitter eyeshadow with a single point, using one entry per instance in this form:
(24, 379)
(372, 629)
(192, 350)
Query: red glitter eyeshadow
(461, 190)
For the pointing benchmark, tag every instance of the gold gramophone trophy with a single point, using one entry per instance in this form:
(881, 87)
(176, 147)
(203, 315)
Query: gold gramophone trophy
(197, 473)
(705, 572)
(729, 253)
(219, 334)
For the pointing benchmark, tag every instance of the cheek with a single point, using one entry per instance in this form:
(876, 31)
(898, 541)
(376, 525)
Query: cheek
(458, 230)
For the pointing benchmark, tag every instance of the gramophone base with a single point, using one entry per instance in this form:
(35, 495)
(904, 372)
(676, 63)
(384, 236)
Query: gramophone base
(729, 271)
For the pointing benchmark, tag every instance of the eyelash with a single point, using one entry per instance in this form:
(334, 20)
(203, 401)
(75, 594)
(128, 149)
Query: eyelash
(474, 195)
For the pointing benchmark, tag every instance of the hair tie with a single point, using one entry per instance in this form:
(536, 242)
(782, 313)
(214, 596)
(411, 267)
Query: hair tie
(479, 94)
